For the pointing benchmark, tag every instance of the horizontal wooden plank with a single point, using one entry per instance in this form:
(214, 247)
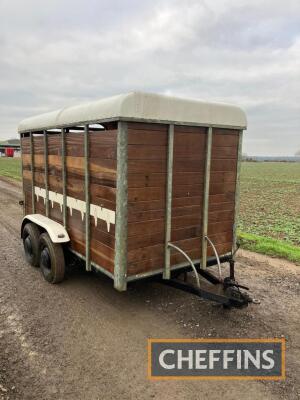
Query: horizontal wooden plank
(222, 176)
(54, 144)
(221, 139)
(180, 178)
(55, 212)
(146, 194)
(217, 216)
(39, 206)
(189, 139)
(180, 165)
(158, 263)
(186, 201)
(146, 166)
(102, 144)
(147, 126)
(102, 248)
(190, 129)
(221, 188)
(134, 216)
(141, 206)
(96, 256)
(224, 152)
(146, 180)
(222, 198)
(153, 238)
(146, 205)
(229, 206)
(223, 165)
(145, 240)
(38, 144)
(103, 138)
(147, 152)
(157, 250)
(103, 152)
(146, 227)
(219, 227)
(74, 164)
(187, 190)
(25, 145)
(147, 137)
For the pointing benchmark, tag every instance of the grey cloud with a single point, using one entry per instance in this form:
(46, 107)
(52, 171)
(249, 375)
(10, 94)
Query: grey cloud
(59, 53)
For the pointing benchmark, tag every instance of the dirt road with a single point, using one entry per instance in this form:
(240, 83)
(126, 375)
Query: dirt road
(83, 340)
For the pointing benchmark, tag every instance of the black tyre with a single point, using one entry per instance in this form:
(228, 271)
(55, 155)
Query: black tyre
(30, 236)
(52, 260)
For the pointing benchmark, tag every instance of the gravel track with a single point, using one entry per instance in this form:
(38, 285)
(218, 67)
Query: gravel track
(83, 340)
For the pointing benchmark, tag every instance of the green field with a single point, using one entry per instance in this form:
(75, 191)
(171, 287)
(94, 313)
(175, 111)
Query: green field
(269, 206)
(10, 167)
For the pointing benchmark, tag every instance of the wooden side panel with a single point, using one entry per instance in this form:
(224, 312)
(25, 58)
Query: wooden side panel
(38, 172)
(147, 195)
(189, 153)
(222, 188)
(147, 158)
(147, 168)
(102, 163)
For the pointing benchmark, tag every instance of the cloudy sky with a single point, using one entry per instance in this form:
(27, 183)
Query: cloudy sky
(62, 52)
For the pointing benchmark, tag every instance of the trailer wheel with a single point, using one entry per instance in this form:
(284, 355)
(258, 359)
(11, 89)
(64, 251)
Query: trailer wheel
(30, 236)
(52, 260)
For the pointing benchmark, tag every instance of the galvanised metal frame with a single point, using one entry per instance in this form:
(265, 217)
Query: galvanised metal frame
(169, 186)
(237, 192)
(22, 170)
(32, 173)
(87, 199)
(120, 269)
(206, 197)
(46, 173)
(64, 175)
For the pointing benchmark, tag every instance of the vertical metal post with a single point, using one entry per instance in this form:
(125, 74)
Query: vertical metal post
(206, 197)
(120, 270)
(169, 187)
(87, 198)
(46, 172)
(32, 172)
(22, 171)
(64, 176)
(237, 192)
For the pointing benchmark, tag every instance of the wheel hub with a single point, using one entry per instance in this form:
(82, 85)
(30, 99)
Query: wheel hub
(28, 245)
(45, 259)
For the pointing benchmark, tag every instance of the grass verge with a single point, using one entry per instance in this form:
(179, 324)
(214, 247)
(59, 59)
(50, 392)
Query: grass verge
(10, 167)
(269, 246)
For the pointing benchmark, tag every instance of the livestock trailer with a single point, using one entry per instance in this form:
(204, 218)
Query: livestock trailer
(138, 186)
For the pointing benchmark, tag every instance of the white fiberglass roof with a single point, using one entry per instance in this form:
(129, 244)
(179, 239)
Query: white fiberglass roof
(140, 106)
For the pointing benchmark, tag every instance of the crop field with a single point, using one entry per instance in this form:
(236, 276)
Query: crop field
(269, 206)
(10, 168)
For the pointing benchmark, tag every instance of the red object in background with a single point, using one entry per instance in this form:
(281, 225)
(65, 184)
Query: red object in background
(9, 152)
